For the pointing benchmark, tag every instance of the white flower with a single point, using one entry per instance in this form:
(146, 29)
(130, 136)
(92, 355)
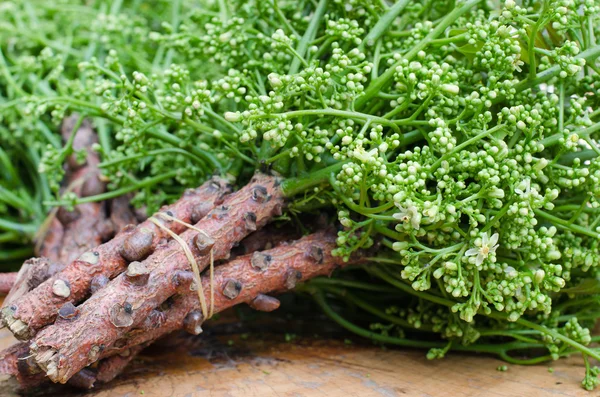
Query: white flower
(431, 212)
(524, 187)
(361, 154)
(488, 246)
(410, 213)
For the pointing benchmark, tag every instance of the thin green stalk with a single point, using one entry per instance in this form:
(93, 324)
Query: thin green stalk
(19, 253)
(530, 49)
(334, 112)
(377, 85)
(115, 193)
(589, 55)
(492, 349)
(407, 288)
(283, 19)
(7, 168)
(554, 139)
(366, 306)
(27, 229)
(103, 135)
(152, 153)
(68, 149)
(309, 35)
(9, 237)
(7, 76)
(176, 141)
(501, 316)
(385, 22)
(582, 155)
(354, 284)
(559, 336)
(463, 145)
(320, 299)
(223, 11)
(561, 223)
(293, 186)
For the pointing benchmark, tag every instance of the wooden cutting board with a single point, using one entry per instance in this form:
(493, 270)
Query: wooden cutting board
(263, 365)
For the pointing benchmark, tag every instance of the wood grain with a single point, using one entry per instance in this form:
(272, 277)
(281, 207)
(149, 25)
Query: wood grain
(269, 366)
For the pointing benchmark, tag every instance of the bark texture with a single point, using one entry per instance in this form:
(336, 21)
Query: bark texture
(19, 371)
(32, 273)
(7, 280)
(17, 368)
(266, 238)
(40, 306)
(68, 346)
(87, 226)
(240, 281)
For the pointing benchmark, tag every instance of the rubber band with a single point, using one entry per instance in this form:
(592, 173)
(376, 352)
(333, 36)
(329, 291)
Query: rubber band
(192, 261)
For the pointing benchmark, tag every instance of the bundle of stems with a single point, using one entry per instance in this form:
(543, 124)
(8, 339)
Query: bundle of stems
(460, 138)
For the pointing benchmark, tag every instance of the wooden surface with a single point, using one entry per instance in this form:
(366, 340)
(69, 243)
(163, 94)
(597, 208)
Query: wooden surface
(266, 365)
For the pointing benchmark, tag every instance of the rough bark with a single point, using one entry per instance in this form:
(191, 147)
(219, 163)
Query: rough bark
(266, 238)
(247, 279)
(19, 372)
(67, 234)
(7, 280)
(121, 213)
(49, 241)
(111, 367)
(263, 239)
(32, 273)
(39, 307)
(17, 369)
(67, 346)
(289, 263)
(87, 226)
(114, 361)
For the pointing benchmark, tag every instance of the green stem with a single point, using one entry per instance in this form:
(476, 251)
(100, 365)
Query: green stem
(116, 193)
(333, 112)
(582, 155)
(500, 316)
(375, 311)
(493, 349)
(466, 143)
(589, 55)
(27, 229)
(13, 200)
(293, 186)
(309, 35)
(223, 11)
(554, 139)
(559, 336)
(378, 84)
(283, 19)
(354, 284)
(19, 253)
(68, 149)
(530, 49)
(561, 223)
(178, 142)
(152, 153)
(9, 237)
(385, 22)
(408, 289)
(320, 299)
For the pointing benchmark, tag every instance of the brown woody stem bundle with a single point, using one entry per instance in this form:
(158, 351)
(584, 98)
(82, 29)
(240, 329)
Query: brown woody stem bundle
(40, 307)
(247, 279)
(65, 348)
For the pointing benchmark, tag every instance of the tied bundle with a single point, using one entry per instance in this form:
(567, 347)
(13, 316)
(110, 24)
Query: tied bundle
(452, 146)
